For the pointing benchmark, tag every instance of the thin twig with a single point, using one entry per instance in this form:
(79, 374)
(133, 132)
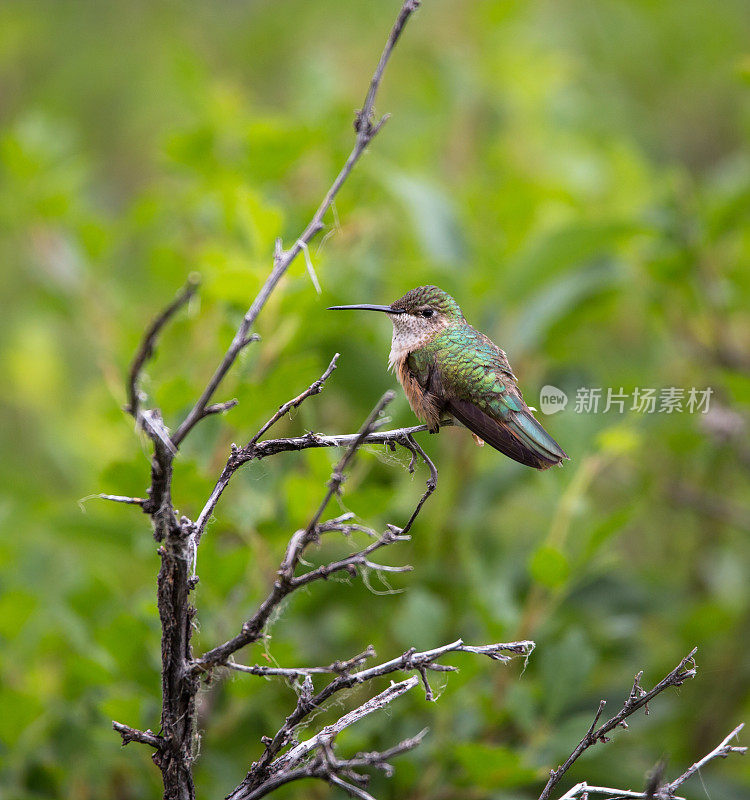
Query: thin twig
(722, 751)
(314, 388)
(270, 447)
(148, 343)
(129, 734)
(337, 668)
(115, 498)
(638, 698)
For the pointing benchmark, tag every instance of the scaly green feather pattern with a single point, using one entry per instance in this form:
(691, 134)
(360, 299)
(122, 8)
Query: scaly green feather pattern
(471, 367)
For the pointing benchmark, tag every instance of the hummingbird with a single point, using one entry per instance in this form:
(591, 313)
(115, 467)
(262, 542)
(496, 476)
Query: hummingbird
(446, 366)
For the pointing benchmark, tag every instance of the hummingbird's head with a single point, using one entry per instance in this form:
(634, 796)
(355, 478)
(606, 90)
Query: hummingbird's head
(417, 317)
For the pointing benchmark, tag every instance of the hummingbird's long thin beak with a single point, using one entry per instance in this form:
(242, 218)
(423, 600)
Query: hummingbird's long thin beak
(366, 307)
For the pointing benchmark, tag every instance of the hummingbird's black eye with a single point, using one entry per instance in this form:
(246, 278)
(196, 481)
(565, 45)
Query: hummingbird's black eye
(428, 312)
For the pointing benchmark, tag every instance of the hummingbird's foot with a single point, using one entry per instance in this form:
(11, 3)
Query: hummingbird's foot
(480, 442)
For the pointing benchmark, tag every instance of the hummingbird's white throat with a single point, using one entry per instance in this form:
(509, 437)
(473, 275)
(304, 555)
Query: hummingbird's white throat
(410, 332)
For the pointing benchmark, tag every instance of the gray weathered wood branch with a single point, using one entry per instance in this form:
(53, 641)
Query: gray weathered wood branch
(274, 765)
(659, 790)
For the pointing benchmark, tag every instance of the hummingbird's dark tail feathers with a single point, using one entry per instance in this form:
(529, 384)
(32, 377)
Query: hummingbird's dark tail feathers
(519, 436)
(537, 438)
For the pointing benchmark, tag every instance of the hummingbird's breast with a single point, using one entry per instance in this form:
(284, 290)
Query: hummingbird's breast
(425, 405)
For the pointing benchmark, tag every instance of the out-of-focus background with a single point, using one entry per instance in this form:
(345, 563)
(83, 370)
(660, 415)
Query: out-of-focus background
(576, 174)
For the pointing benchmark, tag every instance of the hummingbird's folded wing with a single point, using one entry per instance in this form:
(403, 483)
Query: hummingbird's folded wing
(519, 437)
(480, 391)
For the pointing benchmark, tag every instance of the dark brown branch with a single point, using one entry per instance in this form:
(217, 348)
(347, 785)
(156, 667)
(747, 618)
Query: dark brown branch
(638, 698)
(148, 343)
(129, 734)
(179, 538)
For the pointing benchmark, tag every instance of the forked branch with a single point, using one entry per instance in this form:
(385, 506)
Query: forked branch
(637, 699)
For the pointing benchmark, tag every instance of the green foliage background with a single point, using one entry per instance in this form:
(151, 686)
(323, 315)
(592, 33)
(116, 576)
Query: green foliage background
(575, 173)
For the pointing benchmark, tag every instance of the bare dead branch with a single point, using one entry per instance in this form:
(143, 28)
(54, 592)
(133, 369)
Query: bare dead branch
(659, 791)
(273, 769)
(148, 343)
(115, 498)
(314, 757)
(271, 447)
(337, 668)
(721, 751)
(315, 388)
(129, 734)
(638, 698)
